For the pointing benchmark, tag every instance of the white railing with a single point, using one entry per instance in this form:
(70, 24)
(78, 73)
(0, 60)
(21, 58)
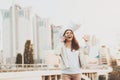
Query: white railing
(27, 67)
(46, 72)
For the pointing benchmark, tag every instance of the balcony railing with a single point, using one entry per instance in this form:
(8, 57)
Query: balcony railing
(27, 67)
(46, 72)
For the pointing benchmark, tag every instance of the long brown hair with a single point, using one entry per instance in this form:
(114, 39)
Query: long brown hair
(75, 45)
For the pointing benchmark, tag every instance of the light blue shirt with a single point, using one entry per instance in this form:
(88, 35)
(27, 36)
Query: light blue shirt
(69, 59)
(73, 62)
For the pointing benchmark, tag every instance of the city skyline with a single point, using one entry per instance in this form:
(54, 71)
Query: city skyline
(29, 36)
(100, 18)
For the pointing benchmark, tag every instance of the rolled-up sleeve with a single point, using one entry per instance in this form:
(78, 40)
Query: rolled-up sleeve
(57, 49)
(83, 59)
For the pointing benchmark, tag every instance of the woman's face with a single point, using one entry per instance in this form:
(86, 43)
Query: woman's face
(68, 35)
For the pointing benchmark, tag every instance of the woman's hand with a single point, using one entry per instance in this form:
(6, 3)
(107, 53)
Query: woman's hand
(86, 37)
(63, 39)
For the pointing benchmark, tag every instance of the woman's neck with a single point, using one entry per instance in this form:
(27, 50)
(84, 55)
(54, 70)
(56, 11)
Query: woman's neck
(68, 44)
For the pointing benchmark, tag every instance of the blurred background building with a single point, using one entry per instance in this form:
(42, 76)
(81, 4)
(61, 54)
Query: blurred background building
(18, 26)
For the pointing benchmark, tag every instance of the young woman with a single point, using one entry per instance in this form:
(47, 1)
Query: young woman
(72, 57)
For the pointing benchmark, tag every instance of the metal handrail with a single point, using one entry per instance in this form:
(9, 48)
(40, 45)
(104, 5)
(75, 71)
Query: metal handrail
(27, 67)
(87, 74)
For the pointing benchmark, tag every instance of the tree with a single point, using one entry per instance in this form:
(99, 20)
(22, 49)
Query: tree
(19, 59)
(28, 53)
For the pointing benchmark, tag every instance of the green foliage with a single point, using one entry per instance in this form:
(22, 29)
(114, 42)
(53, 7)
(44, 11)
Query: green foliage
(115, 75)
(28, 53)
(19, 58)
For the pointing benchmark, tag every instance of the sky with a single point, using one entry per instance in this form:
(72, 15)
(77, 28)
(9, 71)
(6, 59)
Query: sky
(97, 17)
